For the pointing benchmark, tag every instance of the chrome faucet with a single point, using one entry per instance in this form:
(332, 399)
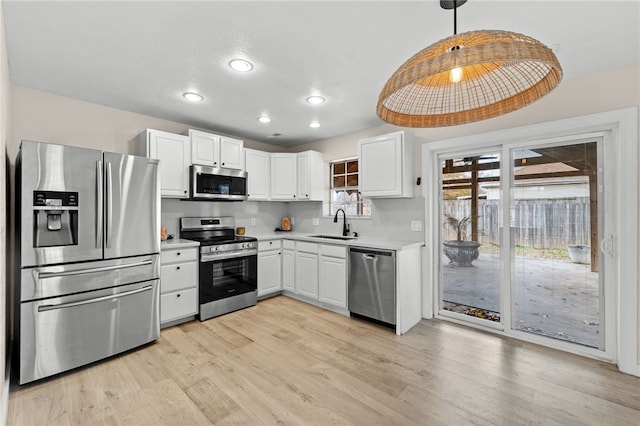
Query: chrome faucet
(345, 227)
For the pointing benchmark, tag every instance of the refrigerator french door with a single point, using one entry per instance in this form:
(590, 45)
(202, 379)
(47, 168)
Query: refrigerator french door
(89, 237)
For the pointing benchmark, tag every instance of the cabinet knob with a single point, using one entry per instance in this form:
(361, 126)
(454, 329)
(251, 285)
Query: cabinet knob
(223, 164)
(178, 295)
(270, 242)
(177, 267)
(185, 192)
(178, 254)
(294, 196)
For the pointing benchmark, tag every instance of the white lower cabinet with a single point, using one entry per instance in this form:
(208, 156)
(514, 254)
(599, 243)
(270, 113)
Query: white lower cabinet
(178, 284)
(288, 265)
(269, 267)
(306, 269)
(333, 275)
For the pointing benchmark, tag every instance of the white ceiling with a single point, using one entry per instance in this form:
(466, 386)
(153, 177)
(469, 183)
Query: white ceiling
(141, 56)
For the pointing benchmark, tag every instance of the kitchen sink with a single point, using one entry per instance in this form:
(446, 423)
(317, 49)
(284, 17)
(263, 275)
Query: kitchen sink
(333, 237)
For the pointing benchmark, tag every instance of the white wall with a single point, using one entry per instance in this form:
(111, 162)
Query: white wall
(5, 131)
(45, 117)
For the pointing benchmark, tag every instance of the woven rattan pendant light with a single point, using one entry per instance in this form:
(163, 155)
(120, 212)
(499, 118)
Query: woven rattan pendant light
(468, 77)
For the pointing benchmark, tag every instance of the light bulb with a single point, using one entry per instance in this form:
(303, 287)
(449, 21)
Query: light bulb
(456, 75)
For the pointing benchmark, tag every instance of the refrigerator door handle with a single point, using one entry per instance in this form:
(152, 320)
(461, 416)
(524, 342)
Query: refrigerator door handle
(109, 205)
(44, 308)
(43, 275)
(99, 209)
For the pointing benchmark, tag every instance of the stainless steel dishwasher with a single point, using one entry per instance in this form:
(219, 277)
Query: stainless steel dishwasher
(372, 283)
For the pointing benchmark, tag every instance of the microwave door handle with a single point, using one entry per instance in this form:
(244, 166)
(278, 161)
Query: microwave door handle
(44, 308)
(99, 206)
(109, 205)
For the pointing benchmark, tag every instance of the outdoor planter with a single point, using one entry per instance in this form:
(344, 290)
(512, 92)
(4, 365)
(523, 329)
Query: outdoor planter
(579, 253)
(461, 253)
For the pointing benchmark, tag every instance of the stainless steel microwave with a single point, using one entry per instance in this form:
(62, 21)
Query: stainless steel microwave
(217, 183)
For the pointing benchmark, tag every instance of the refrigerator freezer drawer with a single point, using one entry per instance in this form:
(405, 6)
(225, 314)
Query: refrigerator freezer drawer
(60, 280)
(63, 333)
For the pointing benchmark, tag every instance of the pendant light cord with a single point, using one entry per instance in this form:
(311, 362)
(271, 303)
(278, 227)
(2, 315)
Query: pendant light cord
(455, 17)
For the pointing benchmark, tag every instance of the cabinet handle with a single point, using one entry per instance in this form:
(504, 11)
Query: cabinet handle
(178, 295)
(223, 164)
(177, 267)
(185, 192)
(178, 254)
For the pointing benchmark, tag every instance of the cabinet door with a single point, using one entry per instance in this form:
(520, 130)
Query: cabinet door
(204, 148)
(311, 170)
(288, 270)
(231, 155)
(269, 272)
(258, 165)
(303, 190)
(174, 153)
(178, 304)
(283, 176)
(380, 163)
(306, 273)
(333, 281)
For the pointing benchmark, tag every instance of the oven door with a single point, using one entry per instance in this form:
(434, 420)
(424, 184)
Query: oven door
(227, 276)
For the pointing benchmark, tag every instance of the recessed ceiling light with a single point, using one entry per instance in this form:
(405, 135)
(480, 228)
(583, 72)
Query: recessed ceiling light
(264, 119)
(241, 65)
(314, 124)
(315, 100)
(192, 97)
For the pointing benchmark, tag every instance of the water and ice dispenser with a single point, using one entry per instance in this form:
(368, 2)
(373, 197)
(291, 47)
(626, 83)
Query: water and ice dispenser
(55, 218)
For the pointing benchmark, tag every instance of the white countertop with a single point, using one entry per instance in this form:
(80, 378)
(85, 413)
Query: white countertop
(178, 243)
(372, 242)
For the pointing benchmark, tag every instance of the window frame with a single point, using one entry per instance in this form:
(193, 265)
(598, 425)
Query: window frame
(363, 204)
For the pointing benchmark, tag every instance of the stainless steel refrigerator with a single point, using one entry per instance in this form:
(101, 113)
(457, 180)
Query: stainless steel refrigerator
(88, 243)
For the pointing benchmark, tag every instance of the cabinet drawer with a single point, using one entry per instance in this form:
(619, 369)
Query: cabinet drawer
(269, 245)
(178, 304)
(180, 255)
(307, 247)
(178, 275)
(335, 251)
(289, 244)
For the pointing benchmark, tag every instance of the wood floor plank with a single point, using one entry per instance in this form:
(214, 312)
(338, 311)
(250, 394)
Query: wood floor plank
(286, 362)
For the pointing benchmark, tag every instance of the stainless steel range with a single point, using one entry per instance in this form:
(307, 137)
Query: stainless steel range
(228, 265)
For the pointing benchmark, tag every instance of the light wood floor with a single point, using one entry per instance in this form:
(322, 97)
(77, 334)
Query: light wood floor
(284, 361)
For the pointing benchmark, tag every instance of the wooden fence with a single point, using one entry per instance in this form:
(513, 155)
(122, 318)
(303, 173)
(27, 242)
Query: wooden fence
(539, 223)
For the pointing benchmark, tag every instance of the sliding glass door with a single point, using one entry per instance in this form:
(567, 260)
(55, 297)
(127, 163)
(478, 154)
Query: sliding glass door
(555, 225)
(519, 228)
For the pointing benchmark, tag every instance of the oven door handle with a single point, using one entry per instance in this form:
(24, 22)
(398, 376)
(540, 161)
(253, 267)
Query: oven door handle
(44, 308)
(207, 257)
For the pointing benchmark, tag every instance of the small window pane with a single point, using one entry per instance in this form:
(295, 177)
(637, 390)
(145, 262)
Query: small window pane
(338, 169)
(352, 180)
(352, 167)
(339, 181)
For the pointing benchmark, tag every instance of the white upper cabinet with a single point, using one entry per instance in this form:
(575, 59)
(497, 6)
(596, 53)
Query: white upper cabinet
(212, 150)
(310, 165)
(283, 176)
(386, 166)
(258, 166)
(174, 153)
(231, 154)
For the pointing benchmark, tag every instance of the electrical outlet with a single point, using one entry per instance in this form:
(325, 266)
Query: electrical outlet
(416, 225)
(316, 221)
(253, 221)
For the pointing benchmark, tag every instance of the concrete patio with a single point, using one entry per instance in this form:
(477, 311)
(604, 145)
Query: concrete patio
(555, 298)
